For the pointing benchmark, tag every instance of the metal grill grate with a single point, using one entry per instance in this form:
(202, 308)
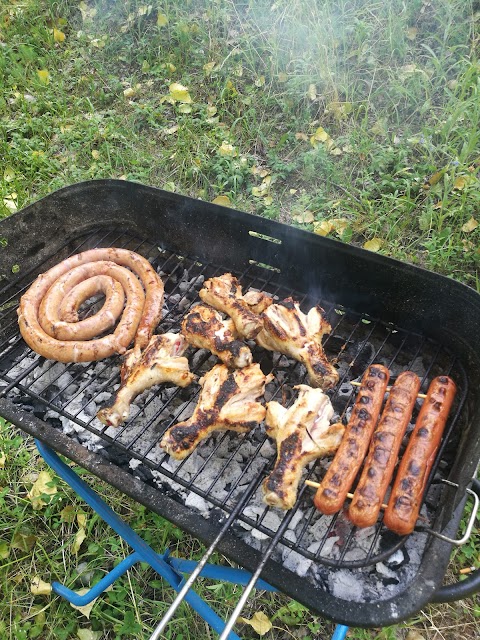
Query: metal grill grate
(69, 395)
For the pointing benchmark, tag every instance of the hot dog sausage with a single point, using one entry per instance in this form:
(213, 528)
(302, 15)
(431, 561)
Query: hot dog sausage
(140, 317)
(407, 492)
(382, 456)
(340, 475)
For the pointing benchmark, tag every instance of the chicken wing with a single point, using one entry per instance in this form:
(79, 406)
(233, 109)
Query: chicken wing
(303, 433)
(203, 327)
(225, 294)
(288, 330)
(228, 401)
(161, 361)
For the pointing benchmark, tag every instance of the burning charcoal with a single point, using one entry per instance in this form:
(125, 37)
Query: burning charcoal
(343, 395)
(296, 562)
(174, 299)
(384, 571)
(362, 355)
(198, 503)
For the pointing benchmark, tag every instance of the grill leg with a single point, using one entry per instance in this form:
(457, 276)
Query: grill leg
(143, 551)
(340, 632)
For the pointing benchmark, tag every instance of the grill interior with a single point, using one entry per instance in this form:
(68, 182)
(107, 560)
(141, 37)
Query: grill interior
(214, 477)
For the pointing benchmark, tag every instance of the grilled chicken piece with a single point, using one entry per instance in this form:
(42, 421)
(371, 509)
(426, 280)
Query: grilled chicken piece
(161, 361)
(303, 433)
(225, 294)
(203, 327)
(228, 401)
(288, 330)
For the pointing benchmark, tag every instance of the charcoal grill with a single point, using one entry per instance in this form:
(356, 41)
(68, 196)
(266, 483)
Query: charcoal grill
(381, 310)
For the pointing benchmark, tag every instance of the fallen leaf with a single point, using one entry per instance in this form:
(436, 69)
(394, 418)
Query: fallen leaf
(224, 201)
(470, 226)
(23, 541)
(179, 93)
(414, 635)
(81, 519)
(40, 488)
(88, 634)
(87, 12)
(58, 35)
(412, 33)
(162, 20)
(260, 81)
(293, 191)
(211, 110)
(374, 244)
(339, 110)
(3, 458)
(68, 513)
(9, 174)
(227, 149)
(99, 43)
(305, 217)
(435, 178)
(379, 128)
(323, 228)
(340, 225)
(312, 91)
(79, 538)
(43, 76)
(145, 10)
(320, 135)
(95, 154)
(4, 550)
(40, 588)
(170, 67)
(171, 130)
(129, 93)
(185, 108)
(301, 136)
(86, 609)
(208, 68)
(462, 181)
(282, 77)
(259, 621)
(268, 200)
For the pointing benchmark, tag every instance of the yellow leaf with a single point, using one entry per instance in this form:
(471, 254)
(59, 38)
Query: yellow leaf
(339, 110)
(305, 217)
(43, 76)
(170, 186)
(229, 86)
(67, 514)
(282, 77)
(162, 20)
(88, 634)
(224, 201)
(335, 151)
(312, 91)
(58, 35)
(340, 225)
(9, 174)
(260, 81)
(208, 68)
(301, 136)
(380, 127)
(462, 181)
(179, 93)
(412, 33)
(211, 110)
(268, 200)
(3, 458)
(79, 538)
(95, 154)
(145, 10)
(81, 519)
(129, 93)
(293, 191)
(40, 588)
(171, 130)
(87, 608)
(321, 135)
(185, 108)
(324, 228)
(227, 149)
(169, 66)
(470, 226)
(87, 13)
(40, 487)
(259, 621)
(374, 244)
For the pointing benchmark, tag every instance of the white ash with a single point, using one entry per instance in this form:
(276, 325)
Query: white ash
(195, 501)
(346, 585)
(295, 562)
(134, 463)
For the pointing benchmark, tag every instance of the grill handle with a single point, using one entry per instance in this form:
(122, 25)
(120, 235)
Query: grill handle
(465, 588)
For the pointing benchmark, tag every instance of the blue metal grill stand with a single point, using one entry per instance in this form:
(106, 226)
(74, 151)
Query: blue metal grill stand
(170, 569)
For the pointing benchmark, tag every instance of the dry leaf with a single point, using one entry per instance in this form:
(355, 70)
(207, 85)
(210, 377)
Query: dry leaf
(23, 541)
(4, 550)
(268, 200)
(463, 181)
(260, 81)
(79, 538)
(293, 191)
(58, 35)
(301, 136)
(87, 12)
(162, 20)
(339, 110)
(40, 487)
(185, 108)
(9, 174)
(340, 225)
(68, 513)
(208, 68)
(171, 130)
(227, 149)
(312, 91)
(259, 621)
(144, 10)
(81, 519)
(129, 93)
(323, 228)
(320, 135)
(414, 635)
(305, 217)
(95, 154)
(3, 458)
(179, 93)
(374, 244)
(224, 201)
(282, 77)
(412, 33)
(86, 609)
(43, 76)
(470, 226)
(40, 588)
(88, 634)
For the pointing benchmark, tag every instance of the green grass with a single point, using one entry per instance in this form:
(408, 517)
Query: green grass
(394, 85)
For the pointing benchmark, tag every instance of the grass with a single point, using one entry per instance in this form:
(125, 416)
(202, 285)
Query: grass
(355, 119)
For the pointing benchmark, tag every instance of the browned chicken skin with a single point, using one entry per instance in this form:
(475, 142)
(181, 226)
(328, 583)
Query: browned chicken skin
(303, 433)
(288, 330)
(228, 401)
(161, 361)
(225, 294)
(203, 327)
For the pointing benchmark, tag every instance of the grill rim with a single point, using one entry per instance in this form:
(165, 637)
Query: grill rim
(94, 200)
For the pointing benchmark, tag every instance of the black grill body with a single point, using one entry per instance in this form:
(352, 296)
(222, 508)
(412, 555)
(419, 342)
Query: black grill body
(381, 310)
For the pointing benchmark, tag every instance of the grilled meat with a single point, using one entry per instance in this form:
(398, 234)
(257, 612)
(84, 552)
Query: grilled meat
(161, 361)
(228, 401)
(303, 433)
(203, 327)
(225, 294)
(288, 330)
